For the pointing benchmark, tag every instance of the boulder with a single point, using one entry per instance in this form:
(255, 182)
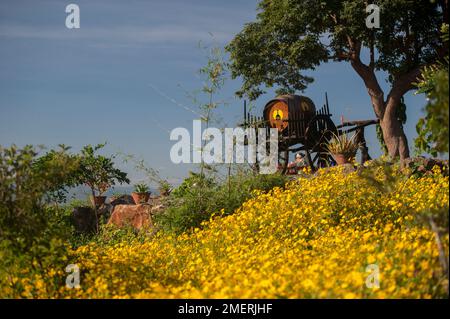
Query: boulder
(137, 216)
(83, 218)
(122, 200)
(106, 210)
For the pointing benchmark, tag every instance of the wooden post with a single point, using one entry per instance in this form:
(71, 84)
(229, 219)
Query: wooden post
(245, 113)
(361, 140)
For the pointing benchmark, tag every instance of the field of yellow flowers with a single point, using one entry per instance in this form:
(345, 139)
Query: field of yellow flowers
(313, 239)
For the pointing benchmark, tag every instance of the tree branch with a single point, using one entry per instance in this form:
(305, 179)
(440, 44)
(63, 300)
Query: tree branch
(401, 85)
(367, 74)
(372, 51)
(334, 18)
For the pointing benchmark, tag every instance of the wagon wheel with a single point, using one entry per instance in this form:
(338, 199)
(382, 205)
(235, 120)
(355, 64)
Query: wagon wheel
(319, 130)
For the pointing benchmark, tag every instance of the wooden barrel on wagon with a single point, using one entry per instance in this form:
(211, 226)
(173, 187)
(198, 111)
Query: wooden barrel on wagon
(288, 108)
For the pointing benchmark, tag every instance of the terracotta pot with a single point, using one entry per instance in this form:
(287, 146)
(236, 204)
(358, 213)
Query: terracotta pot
(342, 159)
(98, 201)
(140, 198)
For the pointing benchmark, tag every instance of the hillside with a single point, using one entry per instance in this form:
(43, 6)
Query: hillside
(320, 237)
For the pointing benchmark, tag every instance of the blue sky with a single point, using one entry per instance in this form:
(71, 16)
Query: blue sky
(115, 78)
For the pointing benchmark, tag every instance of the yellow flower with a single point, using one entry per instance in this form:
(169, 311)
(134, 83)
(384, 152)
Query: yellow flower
(313, 239)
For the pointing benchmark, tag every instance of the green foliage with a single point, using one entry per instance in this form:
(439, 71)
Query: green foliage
(199, 197)
(109, 235)
(39, 261)
(194, 181)
(141, 188)
(379, 132)
(290, 36)
(433, 128)
(61, 182)
(27, 184)
(214, 72)
(33, 230)
(98, 171)
(213, 76)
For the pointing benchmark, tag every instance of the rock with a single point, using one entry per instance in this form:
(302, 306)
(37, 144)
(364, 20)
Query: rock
(122, 200)
(421, 168)
(84, 220)
(137, 216)
(106, 210)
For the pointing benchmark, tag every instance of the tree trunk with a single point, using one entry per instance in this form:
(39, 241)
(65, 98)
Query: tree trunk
(95, 210)
(393, 135)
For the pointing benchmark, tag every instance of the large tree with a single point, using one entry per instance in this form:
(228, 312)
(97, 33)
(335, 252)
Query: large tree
(290, 36)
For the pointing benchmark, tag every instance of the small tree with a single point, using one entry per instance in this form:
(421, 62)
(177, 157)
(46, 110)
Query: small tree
(98, 172)
(213, 75)
(58, 185)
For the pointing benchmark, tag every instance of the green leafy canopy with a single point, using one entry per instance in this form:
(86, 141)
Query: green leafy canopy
(290, 36)
(433, 129)
(98, 171)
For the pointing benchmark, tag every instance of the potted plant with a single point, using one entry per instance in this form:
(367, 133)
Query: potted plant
(98, 198)
(342, 148)
(141, 194)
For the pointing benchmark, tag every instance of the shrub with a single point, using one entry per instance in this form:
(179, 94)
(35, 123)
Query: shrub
(433, 129)
(27, 187)
(33, 231)
(109, 235)
(98, 171)
(199, 197)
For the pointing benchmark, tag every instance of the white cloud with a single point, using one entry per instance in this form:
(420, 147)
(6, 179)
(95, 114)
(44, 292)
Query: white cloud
(133, 24)
(118, 35)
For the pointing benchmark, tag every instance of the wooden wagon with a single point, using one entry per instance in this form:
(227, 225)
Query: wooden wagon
(303, 128)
